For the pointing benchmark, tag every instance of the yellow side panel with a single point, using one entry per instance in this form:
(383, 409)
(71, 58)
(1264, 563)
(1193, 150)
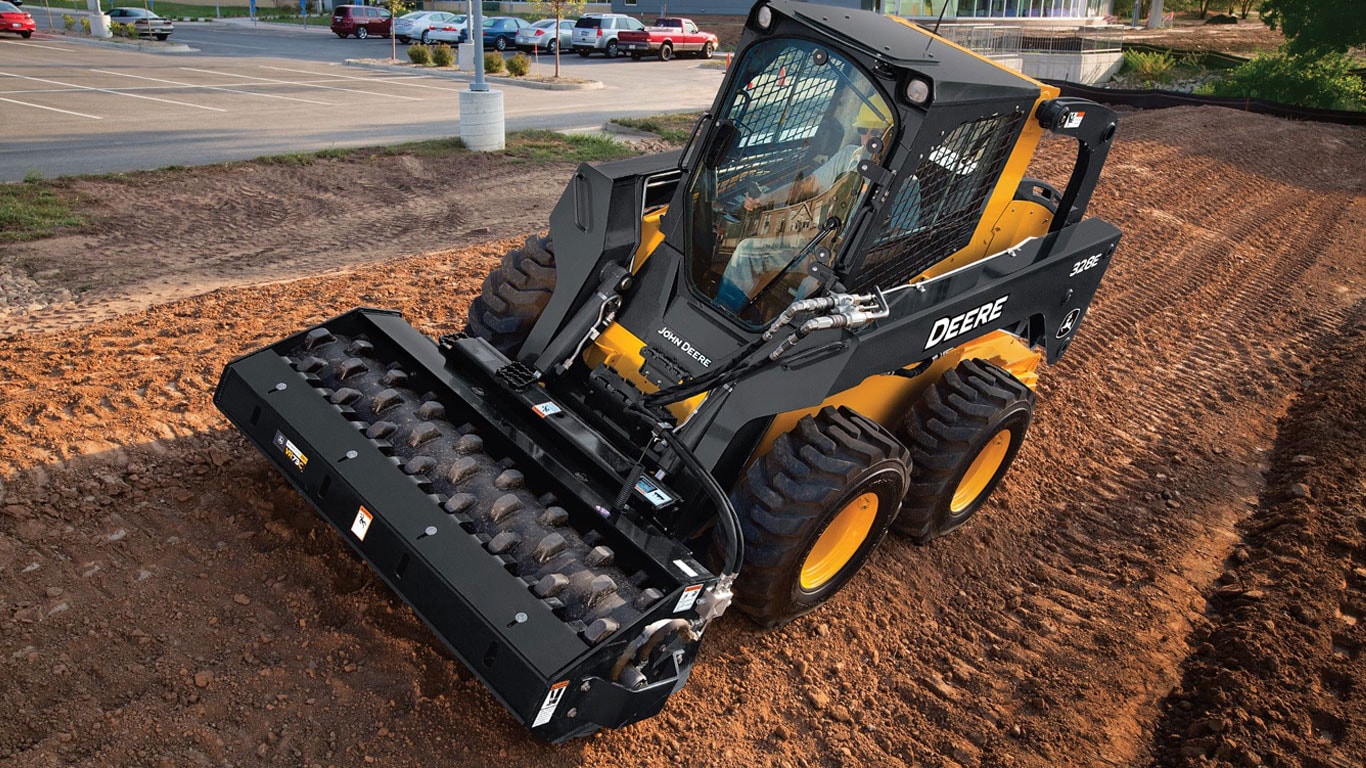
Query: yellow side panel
(887, 398)
(620, 350)
(650, 237)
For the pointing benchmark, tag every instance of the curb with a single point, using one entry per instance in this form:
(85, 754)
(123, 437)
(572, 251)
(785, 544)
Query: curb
(455, 74)
(142, 46)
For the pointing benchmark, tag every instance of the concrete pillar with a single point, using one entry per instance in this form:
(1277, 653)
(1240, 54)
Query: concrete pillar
(481, 120)
(99, 23)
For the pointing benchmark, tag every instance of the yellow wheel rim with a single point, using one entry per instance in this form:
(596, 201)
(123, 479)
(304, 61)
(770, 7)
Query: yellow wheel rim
(841, 539)
(980, 473)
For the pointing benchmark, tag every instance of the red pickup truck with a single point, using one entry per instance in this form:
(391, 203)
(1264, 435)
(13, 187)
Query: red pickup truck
(667, 37)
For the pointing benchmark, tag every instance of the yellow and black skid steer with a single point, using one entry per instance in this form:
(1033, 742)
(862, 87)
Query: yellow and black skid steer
(722, 377)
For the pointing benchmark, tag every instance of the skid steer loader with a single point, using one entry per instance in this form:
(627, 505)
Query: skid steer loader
(820, 320)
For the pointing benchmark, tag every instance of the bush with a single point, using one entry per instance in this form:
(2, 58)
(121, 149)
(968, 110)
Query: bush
(1323, 82)
(124, 29)
(493, 63)
(419, 54)
(68, 21)
(1151, 66)
(442, 55)
(519, 65)
(85, 24)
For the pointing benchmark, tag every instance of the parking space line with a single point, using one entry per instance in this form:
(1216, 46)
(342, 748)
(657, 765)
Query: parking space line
(213, 87)
(396, 80)
(53, 109)
(67, 49)
(309, 85)
(116, 93)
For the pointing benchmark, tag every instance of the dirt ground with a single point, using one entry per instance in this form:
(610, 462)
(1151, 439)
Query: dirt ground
(1173, 574)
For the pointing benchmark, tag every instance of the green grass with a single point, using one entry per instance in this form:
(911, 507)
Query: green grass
(548, 146)
(34, 209)
(673, 127)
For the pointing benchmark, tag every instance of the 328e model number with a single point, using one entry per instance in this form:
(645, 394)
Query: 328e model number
(1085, 264)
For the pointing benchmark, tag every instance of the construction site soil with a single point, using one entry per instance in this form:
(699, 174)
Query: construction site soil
(1173, 574)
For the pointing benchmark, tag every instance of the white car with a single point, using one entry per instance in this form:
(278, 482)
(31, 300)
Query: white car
(417, 25)
(452, 31)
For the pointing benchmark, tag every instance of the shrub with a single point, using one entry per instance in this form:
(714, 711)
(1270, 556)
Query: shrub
(493, 63)
(1151, 66)
(68, 21)
(442, 55)
(1323, 82)
(419, 54)
(519, 65)
(85, 24)
(124, 29)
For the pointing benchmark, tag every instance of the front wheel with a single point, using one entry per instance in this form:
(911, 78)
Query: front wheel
(708, 50)
(550, 48)
(501, 43)
(812, 511)
(963, 435)
(514, 295)
(362, 33)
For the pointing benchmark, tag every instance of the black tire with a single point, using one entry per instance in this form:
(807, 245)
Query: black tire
(963, 434)
(550, 48)
(342, 35)
(500, 43)
(666, 52)
(708, 50)
(362, 33)
(835, 474)
(635, 55)
(612, 49)
(26, 35)
(514, 295)
(582, 54)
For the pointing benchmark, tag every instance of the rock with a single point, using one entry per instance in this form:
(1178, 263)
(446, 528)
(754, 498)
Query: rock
(1299, 491)
(818, 698)
(1303, 460)
(241, 599)
(202, 679)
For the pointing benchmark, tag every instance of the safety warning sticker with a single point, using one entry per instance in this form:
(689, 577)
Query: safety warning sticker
(291, 451)
(362, 523)
(688, 598)
(552, 700)
(1073, 119)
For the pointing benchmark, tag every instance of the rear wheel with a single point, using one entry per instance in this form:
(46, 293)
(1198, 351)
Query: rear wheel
(426, 37)
(666, 52)
(813, 509)
(342, 35)
(159, 37)
(612, 50)
(550, 48)
(362, 33)
(501, 43)
(963, 435)
(514, 295)
(583, 54)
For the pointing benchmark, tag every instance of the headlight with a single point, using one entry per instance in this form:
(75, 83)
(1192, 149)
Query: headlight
(764, 17)
(918, 91)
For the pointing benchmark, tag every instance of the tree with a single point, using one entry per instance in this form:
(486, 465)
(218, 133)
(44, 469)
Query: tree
(1317, 26)
(1245, 7)
(395, 7)
(559, 9)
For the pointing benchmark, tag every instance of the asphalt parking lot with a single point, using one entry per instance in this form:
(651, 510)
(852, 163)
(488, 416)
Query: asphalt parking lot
(67, 107)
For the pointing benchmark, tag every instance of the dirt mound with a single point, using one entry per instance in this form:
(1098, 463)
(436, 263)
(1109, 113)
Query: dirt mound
(166, 599)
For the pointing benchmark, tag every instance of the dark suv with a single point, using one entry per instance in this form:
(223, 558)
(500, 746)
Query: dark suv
(361, 21)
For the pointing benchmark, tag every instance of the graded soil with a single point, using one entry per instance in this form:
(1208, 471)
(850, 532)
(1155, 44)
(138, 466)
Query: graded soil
(1173, 573)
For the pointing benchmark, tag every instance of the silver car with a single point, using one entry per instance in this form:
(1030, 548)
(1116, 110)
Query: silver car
(146, 23)
(417, 25)
(540, 36)
(452, 31)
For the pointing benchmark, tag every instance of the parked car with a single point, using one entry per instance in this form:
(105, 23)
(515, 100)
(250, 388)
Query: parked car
(666, 37)
(417, 25)
(146, 23)
(597, 33)
(12, 19)
(541, 36)
(500, 32)
(361, 21)
(453, 31)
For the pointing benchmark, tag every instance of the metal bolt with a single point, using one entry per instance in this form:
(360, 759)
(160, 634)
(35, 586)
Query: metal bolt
(587, 684)
(572, 713)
